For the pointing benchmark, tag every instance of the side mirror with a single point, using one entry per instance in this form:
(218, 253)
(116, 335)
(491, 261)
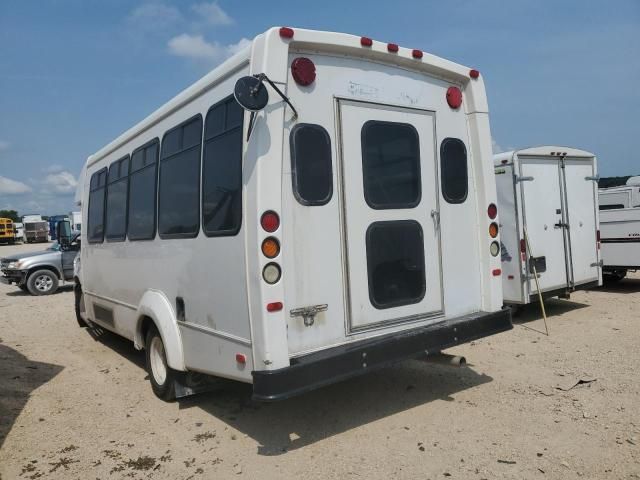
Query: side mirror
(63, 233)
(251, 93)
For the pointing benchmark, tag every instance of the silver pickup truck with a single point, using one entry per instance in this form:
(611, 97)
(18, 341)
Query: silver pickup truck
(40, 273)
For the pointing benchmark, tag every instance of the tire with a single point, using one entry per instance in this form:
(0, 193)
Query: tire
(42, 282)
(79, 304)
(161, 376)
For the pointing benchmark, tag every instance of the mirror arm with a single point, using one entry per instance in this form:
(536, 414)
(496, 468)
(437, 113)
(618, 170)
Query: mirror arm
(262, 77)
(252, 119)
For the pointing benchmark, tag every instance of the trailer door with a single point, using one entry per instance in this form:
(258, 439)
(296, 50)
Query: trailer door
(390, 215)
(580, 194)
(542, 207)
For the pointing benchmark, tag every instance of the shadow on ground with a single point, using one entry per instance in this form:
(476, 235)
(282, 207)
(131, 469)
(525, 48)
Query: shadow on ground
(300, 421)
(21, 293)
(626, 285)
(19, 376)
(553, 307)
(303, 420)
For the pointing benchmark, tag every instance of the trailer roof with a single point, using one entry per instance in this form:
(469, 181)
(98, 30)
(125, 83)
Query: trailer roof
(541, 151)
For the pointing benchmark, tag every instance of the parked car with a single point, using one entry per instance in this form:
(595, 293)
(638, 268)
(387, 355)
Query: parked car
(41, 273)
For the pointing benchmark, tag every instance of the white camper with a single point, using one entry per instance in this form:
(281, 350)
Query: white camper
(549, 192)
(339, 226)
(620, 229)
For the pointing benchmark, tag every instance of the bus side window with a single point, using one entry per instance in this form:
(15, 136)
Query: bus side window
(222, 169)
(311, 170)
(179, 186)
(95, 228)
(142, 192)
(116, 204)
(453, 170)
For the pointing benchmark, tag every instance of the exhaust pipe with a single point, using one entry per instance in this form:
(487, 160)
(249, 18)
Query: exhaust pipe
(446, 359)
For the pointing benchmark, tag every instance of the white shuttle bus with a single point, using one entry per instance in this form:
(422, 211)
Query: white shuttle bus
(342, 221)
(550, 193)
(620, 229)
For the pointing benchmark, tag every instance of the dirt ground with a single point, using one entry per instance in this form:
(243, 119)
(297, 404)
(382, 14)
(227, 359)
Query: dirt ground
(75, 404)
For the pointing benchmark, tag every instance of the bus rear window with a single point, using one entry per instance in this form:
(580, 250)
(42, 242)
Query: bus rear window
(311, 170)
(453, 169)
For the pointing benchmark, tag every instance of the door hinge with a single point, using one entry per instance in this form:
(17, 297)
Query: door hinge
(435, 214)
(309, 313)
(597, 264)
(523, 179)
(594, 178)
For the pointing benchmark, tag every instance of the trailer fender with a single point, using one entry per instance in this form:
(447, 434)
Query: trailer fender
(156, 306)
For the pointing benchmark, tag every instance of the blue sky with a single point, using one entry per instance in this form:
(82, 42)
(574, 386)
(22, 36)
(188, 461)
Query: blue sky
(76, 73)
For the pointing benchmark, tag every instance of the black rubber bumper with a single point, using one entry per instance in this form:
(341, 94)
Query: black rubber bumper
(339, 363)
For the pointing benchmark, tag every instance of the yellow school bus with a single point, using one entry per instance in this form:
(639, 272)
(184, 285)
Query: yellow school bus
(7, 234)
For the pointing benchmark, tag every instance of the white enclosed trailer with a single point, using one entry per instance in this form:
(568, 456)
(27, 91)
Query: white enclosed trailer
(551, 193)
(294, 248)
(620, 228)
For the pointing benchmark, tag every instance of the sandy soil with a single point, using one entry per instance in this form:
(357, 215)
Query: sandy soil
(75, 404)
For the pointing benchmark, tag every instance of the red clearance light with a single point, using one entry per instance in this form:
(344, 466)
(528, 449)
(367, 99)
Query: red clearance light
(496, 272)
(366, 41)
(274, 306)
(474, 73)
(303, 71)
(492, 211)
(454, 97)
(286, 32)
(392, 47)
(510, 277)
(270, 221)
(416, 53)
(241, 358)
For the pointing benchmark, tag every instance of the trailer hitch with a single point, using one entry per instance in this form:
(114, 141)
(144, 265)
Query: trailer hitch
(308, 314)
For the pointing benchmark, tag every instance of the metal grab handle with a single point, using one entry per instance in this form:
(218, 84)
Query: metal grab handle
(435, 214)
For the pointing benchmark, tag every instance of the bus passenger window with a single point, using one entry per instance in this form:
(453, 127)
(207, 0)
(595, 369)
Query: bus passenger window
(179, 197)
(95, 228)
(222, 169)
(117, 186)
(142, 192)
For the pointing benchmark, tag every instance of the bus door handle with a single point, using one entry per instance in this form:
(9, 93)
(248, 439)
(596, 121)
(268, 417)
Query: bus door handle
(435, 214)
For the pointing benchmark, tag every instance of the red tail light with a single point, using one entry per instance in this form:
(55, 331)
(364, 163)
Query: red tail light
(454, 97)
(303, 71)
(274, 306)
(366, 41)
(492, 211)
(392, 47)
(286, 32)
(270, 221)
(416, 53)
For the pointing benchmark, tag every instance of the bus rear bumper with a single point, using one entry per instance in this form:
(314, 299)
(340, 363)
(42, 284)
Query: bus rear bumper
(335, 364)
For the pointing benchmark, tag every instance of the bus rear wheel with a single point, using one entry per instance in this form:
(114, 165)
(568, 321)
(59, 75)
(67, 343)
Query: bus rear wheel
(161, 376)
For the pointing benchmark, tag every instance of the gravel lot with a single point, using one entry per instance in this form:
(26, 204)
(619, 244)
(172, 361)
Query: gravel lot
(76, 404)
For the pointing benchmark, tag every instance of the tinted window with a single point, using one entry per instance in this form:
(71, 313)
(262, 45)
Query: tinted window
(222, 170)
(395, 263)
(311, 171)
(453, 168)
(391, 165)
(179, 188)
(116, 224)
(142, 192)
(95, 227)
(611, 207)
